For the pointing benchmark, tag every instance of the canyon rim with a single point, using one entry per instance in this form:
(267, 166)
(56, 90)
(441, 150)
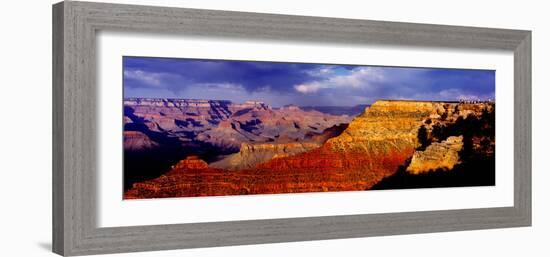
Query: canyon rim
(196, 127)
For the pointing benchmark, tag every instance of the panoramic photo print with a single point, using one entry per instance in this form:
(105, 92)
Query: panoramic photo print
(197, 127)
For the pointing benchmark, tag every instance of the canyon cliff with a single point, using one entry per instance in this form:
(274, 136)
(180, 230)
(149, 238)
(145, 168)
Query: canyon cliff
(437, 155)
(224, 123)
(456, 148)
(159, 132)
(369, 153)
(252, 154)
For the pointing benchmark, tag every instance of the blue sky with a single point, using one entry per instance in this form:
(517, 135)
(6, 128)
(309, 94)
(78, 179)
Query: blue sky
(301, 84)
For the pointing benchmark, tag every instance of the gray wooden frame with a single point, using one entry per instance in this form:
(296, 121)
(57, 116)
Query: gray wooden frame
(75, 25)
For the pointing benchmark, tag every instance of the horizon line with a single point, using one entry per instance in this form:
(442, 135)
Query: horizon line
(263, 102)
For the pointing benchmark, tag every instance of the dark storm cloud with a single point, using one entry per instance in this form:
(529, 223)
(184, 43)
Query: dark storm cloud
(176, 74)
(302, 84)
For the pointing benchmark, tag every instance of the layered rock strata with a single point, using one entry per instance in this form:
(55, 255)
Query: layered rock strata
(373, 146)
(222, 124)
(252, 154)
(437, 156)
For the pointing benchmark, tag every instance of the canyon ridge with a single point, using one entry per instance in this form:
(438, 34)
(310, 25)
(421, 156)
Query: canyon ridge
(183, 147)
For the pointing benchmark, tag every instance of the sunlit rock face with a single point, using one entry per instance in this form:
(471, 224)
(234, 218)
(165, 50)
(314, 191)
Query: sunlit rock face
(385, 137)
(373, 146)
(384, 127)
(437, 156)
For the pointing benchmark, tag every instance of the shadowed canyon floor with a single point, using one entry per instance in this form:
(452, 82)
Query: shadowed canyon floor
(208, 148)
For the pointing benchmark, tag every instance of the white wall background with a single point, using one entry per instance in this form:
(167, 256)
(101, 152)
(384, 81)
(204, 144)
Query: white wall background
(25, 128)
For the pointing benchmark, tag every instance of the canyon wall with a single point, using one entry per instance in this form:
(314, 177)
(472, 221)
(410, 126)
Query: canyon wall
(159, 132)
(220, 123)
(374, 146)
(252, 154)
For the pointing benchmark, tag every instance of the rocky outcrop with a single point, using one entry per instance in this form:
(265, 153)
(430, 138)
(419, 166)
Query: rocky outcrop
(437, 156)
(191, 162)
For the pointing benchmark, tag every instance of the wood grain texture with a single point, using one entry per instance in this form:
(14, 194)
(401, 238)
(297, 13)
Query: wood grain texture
(75, 25)
(58, 191)
(522, 128)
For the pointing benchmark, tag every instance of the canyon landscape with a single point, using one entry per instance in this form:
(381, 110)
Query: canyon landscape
(301, 139)
(221, 148)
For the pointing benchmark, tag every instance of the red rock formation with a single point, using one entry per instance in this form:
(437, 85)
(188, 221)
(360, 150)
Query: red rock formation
(372, 147)
(252, 154)
(192, 163)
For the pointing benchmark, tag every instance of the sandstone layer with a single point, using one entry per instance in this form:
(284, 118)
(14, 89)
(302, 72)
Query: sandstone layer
(159, 132)
(374, 145)
(252, 154)
(437, 156)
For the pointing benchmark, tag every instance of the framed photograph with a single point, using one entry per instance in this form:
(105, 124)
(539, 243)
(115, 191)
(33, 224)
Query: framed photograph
(183, 128)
